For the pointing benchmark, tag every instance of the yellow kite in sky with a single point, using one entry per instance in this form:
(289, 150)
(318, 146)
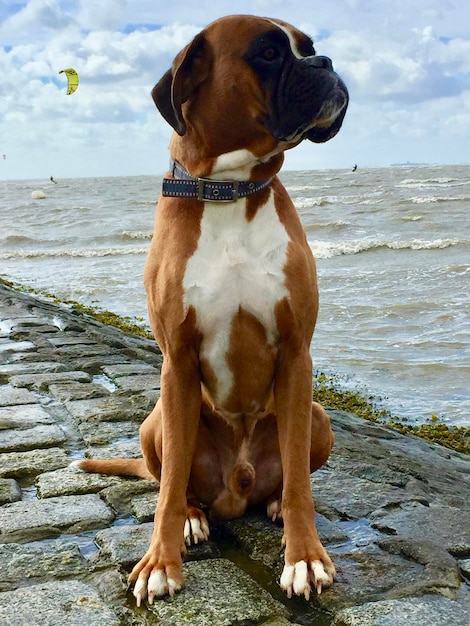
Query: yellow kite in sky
(72, 78)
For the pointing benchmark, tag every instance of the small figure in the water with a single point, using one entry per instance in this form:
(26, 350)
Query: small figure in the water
(354, 168)
(54, 181)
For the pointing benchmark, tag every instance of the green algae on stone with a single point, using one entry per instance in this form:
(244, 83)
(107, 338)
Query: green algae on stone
(126, 324)
(434, 430)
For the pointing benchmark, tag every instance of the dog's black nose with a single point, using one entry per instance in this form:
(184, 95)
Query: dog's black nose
(323, 63)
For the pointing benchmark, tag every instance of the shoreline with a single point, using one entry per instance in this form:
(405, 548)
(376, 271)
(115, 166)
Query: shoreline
(433, 430)
(392, 510)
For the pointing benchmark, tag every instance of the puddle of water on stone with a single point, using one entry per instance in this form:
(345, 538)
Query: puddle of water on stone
(77, 454)
(105, 381)
(300, 611)
(360, 533)
(85, 542)
(29, 492)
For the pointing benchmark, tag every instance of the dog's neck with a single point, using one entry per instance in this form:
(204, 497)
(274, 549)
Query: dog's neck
(236, 165)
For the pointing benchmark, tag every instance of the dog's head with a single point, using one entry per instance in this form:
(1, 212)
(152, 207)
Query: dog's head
(253, 83)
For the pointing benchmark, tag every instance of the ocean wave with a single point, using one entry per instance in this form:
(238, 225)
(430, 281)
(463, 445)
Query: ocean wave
(74, 253)
(327, 250)
(298, 188)
(423, 183)
(411, 218)
(434, 199)
(337, 224)
(307, 203)
(350, 200)
(17, 239)
(143, 235)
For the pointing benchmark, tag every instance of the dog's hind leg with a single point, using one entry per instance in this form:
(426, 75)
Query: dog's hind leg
(321, 443)
(322, 437)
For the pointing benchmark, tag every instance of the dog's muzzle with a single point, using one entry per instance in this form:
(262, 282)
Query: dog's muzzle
(310, 102)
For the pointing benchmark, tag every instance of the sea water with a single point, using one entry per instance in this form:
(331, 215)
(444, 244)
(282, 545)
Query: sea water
(393, 257)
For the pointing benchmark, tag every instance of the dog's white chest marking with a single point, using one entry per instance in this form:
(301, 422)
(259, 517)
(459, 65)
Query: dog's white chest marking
(238, 263)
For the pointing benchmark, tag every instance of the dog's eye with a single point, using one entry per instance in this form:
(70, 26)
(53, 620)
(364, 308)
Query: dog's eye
(270, 54)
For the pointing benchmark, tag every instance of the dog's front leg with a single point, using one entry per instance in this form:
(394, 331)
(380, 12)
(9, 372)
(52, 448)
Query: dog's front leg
(306, 560)
(159, 572)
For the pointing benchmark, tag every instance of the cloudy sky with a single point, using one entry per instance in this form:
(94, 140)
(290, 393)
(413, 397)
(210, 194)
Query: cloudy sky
(406, 63)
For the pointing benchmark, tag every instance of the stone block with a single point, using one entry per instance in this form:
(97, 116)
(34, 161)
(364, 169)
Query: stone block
(143, 506)
(217, 593)
(22, 464)
(42, 436)
(124, 448)
(10, 491)
(41, 382)
(138, 382)
(109, 408)
(55, 603)
(417, 611)
(69, 481)
(36, 562)
(41, 519)
(10, 396)
(104, 433)
(449, 527)
(124, 544)
(16, 346)
(23, 416)
(39, 367)
(129, 369)
(66, 391)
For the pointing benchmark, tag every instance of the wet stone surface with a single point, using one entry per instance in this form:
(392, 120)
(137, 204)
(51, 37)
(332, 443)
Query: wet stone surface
(393, 511)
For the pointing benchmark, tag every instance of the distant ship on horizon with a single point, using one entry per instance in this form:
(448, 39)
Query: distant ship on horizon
(407, 163)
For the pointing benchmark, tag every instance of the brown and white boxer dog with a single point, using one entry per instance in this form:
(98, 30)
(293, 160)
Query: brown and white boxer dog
(233, 300)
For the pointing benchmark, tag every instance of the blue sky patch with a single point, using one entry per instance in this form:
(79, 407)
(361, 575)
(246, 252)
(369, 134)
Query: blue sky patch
(142, 27)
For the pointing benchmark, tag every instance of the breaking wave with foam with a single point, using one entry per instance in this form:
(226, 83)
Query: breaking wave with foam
(326, 250)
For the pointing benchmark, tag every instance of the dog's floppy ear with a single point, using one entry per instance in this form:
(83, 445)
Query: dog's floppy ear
(190, 67)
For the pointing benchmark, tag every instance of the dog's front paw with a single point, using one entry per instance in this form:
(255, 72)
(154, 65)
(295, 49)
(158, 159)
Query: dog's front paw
(156, 586)
(196, 527)
(300, 577)
(151, 580)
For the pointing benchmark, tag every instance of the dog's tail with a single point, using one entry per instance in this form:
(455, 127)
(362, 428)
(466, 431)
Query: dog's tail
(115, 467)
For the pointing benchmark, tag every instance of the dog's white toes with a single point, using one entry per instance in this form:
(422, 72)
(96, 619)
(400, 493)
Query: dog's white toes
(296, 578)
(187, 532)
(195, 530)
(301, 583)
(140, 590)
(274, 510)
(321, 577)
(158, 585)
(287, 579)
(173, 587)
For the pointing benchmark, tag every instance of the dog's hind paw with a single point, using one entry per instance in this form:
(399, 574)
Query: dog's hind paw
(196, 527)
(274, 510)
(299, 578)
